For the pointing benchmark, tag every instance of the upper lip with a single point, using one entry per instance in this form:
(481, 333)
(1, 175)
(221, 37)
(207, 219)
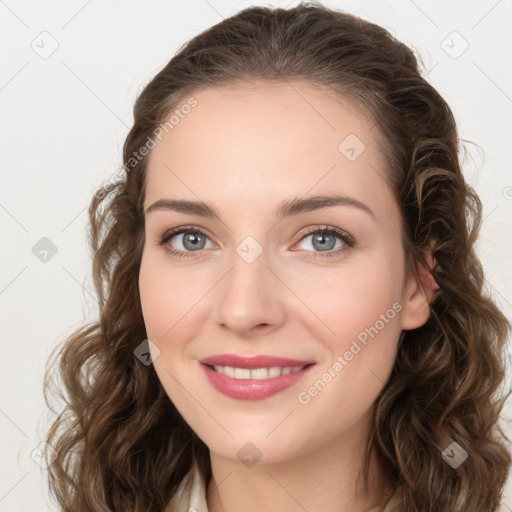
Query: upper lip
(262, 361)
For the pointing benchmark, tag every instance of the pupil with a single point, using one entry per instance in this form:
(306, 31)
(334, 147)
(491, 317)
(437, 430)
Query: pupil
(321, 238)
(193, 239)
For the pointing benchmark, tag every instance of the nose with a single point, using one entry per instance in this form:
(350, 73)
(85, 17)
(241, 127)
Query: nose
(249, 299)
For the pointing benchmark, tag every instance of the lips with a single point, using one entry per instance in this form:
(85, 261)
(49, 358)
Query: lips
(245, 378)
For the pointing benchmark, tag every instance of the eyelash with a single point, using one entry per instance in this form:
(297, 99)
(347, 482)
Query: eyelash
(332, 230)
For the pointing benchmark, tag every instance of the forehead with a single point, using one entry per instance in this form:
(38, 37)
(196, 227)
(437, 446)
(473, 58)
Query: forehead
(255, 144)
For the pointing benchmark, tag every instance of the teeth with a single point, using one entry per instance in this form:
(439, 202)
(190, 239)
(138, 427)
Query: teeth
(257, 373)
(274, 372)
(242, 373)
(228, 370)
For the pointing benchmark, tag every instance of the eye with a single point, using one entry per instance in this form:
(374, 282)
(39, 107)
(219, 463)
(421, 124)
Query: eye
(192, 240)
(324, 241)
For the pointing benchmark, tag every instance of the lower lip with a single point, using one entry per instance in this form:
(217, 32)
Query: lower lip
(252, 389)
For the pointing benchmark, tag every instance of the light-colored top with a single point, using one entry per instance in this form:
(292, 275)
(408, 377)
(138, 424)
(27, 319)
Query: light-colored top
(191, 497)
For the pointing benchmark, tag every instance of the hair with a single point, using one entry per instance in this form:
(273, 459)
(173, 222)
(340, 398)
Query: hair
(120, 442)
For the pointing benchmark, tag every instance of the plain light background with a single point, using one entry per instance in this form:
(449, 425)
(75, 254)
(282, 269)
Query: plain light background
(63, 120)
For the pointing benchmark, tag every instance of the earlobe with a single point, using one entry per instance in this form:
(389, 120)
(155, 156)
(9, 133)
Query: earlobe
(419, 292)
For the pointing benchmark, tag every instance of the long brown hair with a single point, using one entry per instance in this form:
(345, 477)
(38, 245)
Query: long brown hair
(120, 442)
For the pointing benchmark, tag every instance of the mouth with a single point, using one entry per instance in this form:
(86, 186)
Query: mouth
(257, 373)
(253, 382)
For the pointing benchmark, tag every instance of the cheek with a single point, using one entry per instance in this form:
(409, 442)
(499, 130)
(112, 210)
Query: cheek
(357, 360)
(360, 311)
(353, 298)
(156, 303)
(168, 298)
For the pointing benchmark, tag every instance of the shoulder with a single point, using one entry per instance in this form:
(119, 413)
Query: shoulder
(190, 496)
(395, 504)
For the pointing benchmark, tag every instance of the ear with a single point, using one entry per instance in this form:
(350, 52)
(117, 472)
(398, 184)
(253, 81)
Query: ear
(420, 288)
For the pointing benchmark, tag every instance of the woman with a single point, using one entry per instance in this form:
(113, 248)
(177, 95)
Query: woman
(292, 310)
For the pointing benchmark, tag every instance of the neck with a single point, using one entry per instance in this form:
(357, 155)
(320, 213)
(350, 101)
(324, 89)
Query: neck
(326, 479)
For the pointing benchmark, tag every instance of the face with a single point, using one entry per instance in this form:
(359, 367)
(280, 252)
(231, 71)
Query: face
(270, 275)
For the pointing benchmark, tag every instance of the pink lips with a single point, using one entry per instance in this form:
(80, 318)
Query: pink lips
(252, 389)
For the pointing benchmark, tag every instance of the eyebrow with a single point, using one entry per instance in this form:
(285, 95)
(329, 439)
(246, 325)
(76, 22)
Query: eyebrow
(285, 209)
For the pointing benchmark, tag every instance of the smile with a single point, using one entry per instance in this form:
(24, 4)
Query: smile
(257, 373)
(253, 383)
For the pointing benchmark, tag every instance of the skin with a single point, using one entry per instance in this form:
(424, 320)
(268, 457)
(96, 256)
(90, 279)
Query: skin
(244, 150)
